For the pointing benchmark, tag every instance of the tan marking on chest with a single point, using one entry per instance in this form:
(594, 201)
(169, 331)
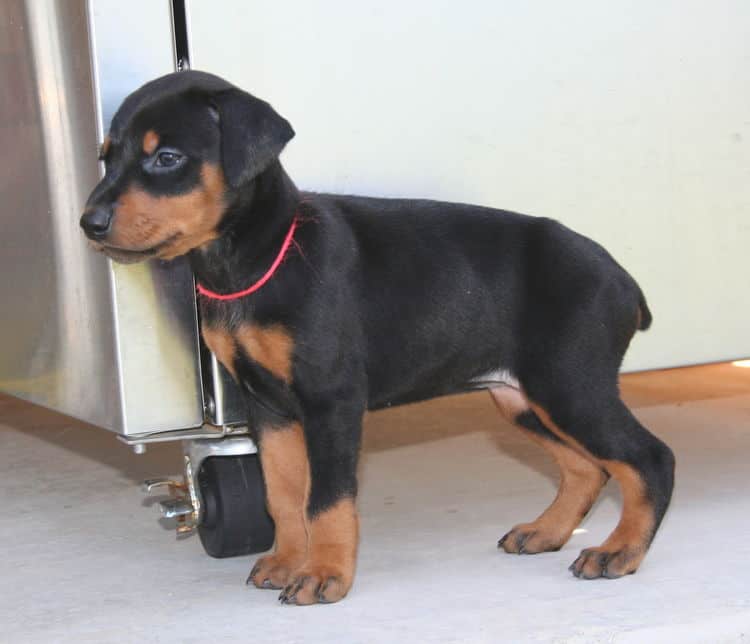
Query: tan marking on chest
(269, 346)
(222, 345)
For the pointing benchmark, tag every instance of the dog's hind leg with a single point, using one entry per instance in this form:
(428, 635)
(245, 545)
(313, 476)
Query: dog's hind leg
(588, 415)
(580, 482)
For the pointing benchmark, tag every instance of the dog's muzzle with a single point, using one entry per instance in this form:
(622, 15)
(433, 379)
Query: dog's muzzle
(96, 223)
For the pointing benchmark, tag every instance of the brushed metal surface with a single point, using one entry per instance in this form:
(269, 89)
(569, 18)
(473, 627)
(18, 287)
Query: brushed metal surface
(58, 327)
(115, 346)
(227, 406)
(154, 302)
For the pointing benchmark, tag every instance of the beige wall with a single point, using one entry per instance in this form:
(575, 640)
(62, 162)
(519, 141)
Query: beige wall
(627, 120)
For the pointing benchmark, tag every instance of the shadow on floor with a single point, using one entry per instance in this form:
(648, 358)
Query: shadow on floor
(89, 441)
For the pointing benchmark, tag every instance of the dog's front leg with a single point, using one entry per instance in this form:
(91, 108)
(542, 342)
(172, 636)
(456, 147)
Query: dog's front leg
(286, 471)
(332, 431)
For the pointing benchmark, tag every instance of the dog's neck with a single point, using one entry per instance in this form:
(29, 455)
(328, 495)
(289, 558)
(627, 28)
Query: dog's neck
(251, 233)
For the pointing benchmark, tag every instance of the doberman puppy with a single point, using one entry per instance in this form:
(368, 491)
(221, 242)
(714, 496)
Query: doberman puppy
(322, 306)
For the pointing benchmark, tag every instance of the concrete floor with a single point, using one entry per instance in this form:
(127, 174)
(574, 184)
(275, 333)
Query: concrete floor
(86, 560)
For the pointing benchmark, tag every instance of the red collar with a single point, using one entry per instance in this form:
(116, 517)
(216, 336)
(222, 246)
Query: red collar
(268, 275)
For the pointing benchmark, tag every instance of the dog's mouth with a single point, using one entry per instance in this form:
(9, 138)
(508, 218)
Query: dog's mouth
(127, 256)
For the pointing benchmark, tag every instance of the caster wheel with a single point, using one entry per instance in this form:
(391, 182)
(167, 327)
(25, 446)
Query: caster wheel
(235, 521)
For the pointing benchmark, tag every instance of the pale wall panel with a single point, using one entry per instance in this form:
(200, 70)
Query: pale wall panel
(628, 121)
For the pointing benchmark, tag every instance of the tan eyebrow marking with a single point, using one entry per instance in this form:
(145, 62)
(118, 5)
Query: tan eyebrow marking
(150, 142)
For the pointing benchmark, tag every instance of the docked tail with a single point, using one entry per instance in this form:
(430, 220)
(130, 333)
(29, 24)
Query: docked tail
(644, 314)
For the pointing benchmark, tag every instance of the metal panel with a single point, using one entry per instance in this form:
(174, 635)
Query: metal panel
(225, 403)
(115, 346)
(627, 121)
(155, 301)
(57, 349)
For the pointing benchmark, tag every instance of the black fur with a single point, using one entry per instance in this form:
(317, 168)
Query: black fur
(529, 420)
(396, 300)
(252, 135)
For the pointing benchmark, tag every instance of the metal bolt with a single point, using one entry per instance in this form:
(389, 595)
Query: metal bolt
(209, 406)
(172, 508)
(139, 448)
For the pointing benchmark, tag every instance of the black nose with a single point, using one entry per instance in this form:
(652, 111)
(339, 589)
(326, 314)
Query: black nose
(96, 222)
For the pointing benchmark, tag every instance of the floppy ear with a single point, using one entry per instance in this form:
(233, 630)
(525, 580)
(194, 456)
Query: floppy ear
(252, 134)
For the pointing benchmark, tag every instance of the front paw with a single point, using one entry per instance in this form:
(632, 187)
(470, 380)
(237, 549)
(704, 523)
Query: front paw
(593, 563)
(274, 571)
(532, 538)
(315, 585)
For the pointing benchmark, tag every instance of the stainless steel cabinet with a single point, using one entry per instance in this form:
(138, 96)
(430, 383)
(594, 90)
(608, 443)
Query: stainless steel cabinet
(116, 346)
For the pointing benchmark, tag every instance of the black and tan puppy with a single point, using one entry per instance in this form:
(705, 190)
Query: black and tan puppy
(323, 306)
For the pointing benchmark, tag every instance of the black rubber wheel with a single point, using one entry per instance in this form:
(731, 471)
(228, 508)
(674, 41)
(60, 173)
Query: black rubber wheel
(235, 520)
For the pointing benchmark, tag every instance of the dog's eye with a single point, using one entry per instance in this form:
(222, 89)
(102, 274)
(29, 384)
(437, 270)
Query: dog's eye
(163, 161)
(168, 159)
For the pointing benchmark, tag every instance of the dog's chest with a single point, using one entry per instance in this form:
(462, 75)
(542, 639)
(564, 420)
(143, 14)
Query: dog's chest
(270, 347)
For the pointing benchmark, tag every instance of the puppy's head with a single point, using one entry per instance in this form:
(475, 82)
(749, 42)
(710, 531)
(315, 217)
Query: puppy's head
(178, 150)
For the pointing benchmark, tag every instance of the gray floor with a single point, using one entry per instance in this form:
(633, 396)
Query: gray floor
(86, 560)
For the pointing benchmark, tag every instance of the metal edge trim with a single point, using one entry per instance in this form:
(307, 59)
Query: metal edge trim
(96, 86)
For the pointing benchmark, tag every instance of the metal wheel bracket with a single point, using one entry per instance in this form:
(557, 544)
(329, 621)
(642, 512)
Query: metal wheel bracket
(185, 503)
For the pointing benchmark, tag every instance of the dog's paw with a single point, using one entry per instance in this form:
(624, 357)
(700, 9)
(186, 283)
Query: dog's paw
(530, 539)
(274, 571)
(593, 563)
(315, 585)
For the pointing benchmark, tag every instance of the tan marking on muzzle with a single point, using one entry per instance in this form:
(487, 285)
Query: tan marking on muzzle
(186, 221)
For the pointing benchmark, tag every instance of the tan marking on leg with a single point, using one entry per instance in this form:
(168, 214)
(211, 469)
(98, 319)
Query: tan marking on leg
(269, 346)
(328, 573)
(625, 548)
(150, 142)
(581, 481)
(286, 472)
(222, 345)
(552, 426)
(176, 224)
(632, 536)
